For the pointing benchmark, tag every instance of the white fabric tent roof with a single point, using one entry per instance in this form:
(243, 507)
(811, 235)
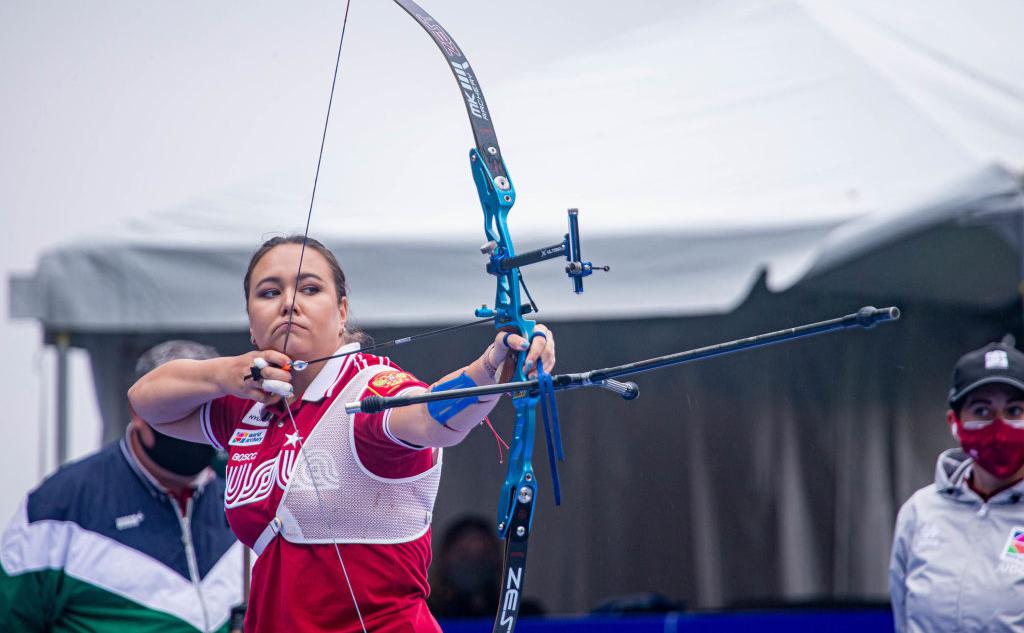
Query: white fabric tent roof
(712, 141)
(724, 114)
(153, 278)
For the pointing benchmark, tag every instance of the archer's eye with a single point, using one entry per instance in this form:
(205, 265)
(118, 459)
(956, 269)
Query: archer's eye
(1014, 412)
(310, 289)
(268, 293)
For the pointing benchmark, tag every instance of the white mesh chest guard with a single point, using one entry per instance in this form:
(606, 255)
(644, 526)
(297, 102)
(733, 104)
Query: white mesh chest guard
(362, 507)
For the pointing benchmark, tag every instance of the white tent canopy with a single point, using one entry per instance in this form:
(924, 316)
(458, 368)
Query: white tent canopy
(159, 276)
(724, 114)
(733, 135)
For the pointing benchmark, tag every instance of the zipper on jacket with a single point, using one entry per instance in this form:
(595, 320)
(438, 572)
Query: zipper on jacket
(190, 557)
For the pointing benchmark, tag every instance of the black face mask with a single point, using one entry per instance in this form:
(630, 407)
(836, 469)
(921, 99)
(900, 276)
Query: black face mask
(470, 576)
(178, 456)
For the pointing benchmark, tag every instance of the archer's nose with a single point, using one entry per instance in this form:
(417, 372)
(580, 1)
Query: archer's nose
(288, 304)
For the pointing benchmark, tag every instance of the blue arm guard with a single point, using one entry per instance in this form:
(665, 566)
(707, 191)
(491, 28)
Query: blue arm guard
(444, 410)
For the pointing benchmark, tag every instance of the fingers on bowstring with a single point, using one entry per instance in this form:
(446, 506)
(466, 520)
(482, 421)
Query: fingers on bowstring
(275, 374)
(264, 397)
(272, 383)
(275, 357)
(268, 365)
(280, 388)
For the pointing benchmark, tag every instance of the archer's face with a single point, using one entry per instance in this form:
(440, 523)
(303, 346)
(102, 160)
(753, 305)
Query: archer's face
(318, 322)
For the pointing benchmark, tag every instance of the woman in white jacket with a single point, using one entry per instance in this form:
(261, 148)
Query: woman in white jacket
(958, 552)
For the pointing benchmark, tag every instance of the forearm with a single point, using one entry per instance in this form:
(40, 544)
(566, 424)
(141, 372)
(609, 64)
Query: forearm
(176, 389)
(416, 425)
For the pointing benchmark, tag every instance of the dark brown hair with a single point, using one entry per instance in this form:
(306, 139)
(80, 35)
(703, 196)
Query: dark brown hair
(340, 286)
(341, 289)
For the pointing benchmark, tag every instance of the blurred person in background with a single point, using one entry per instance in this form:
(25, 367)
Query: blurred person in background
(132, 538)
(467, 574)
(958, 552)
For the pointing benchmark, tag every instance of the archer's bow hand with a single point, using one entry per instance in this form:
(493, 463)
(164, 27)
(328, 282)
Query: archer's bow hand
(502, 353)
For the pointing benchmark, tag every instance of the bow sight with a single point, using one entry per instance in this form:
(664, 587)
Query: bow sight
(502, 262)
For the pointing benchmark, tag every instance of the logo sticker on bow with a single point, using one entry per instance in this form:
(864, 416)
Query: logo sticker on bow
(243, 437)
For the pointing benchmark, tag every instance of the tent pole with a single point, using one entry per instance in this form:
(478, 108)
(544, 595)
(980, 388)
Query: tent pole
(1020, 257)
(63, 431)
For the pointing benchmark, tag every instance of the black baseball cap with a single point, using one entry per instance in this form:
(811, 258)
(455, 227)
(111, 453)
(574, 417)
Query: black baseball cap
(998, 362)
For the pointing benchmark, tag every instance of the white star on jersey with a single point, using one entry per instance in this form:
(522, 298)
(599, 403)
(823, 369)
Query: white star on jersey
(293, 439)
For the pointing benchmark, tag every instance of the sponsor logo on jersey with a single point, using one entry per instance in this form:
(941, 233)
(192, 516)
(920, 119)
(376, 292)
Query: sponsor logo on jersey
(246, 437)
(129, 521)
(255, 417)
(258, 415)
(1011, 557)
(243, 457)
(249, 483)
(1014, 549)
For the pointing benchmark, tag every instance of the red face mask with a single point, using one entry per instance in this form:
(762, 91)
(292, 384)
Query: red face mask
(997, 447)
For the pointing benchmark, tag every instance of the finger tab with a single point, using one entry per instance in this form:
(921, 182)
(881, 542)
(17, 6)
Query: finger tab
(277, 387)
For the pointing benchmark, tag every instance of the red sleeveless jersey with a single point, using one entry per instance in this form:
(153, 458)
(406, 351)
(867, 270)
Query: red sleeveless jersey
(301, 588)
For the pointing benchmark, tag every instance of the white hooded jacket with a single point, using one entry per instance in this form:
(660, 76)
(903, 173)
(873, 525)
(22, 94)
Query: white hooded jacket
(958, 562)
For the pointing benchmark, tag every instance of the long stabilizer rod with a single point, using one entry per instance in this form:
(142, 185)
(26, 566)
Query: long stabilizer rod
(866, 317)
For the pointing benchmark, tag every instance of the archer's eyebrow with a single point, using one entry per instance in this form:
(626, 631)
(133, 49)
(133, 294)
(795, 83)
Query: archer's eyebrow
(277, 280)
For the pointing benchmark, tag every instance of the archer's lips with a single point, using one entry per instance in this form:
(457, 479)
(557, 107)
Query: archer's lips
(284, 327)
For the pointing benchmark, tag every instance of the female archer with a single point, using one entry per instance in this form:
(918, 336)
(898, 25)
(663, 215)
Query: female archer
(337, 506)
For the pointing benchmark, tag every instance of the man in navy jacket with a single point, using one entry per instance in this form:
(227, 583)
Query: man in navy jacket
(131, 538)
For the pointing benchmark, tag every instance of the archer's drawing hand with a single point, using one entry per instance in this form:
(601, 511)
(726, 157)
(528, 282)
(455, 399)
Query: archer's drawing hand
(273, 384)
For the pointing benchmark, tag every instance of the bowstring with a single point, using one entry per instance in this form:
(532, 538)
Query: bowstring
(291, 315)
(324, 515)
(316, 177)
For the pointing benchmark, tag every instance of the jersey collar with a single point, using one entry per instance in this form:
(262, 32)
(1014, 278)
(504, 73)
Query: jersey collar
(329, 374)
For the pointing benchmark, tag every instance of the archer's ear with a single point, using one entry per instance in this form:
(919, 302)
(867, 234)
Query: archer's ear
(343, 315)
(954, 424)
